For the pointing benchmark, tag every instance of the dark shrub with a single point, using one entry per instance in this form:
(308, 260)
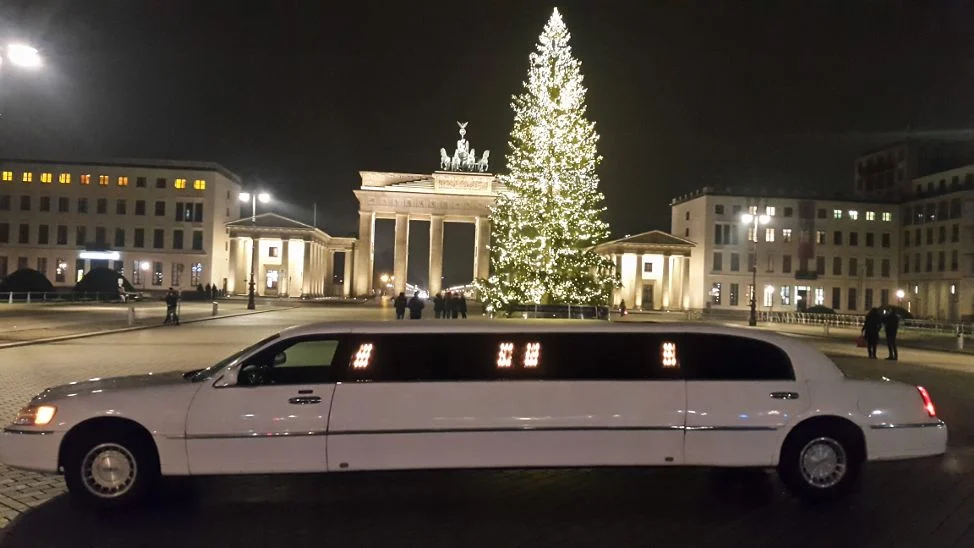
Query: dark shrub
(24, 280)
(820, 309)
(102, 280)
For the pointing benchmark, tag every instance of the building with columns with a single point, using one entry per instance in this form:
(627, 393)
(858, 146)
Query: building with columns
(293, 259)
(654, 268)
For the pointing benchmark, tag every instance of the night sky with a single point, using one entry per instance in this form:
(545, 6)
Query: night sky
(297, 97)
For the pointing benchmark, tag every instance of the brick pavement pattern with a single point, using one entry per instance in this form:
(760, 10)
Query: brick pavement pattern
(927, 502)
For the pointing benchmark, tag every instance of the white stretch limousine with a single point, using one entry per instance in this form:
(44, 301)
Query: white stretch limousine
(346, 397)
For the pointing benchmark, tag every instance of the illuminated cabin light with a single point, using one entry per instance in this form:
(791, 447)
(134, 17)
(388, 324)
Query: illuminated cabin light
(363, 356)
(669, 354)
(505, 355)
(532, 354)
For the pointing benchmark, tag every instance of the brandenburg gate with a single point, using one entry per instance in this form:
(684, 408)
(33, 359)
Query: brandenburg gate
(461, 192)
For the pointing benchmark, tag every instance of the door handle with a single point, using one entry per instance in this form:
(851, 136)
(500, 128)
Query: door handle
(785, 395)
(304, 400)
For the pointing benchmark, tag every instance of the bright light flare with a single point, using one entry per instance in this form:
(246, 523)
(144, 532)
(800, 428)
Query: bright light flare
(263, 197)
(24, 56)
(244, 196)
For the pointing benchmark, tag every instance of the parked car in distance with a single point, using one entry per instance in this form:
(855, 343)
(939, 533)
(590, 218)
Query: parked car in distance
(506, 394)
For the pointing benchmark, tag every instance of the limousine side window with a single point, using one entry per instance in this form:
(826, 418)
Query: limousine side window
(610, 356)
(733, 358)
(305, 360)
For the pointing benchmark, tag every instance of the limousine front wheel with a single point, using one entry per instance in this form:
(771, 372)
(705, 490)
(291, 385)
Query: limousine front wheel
(110, 469)
(820, 463)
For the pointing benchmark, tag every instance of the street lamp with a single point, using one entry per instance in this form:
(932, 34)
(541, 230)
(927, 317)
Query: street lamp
(754, 220)
(22, 55)
(253, 198)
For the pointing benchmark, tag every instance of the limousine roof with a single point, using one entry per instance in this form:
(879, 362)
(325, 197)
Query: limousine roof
(807, 361)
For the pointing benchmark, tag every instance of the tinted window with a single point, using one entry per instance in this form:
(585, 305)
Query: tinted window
(727, 357)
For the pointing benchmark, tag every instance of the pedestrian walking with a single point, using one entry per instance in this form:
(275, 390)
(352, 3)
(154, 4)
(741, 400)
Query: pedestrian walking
(172, 301)
(870, 331)
(438, 304)
(448, 305)
(400, 303)
(891, 324)
(462, 305)
(416, 307)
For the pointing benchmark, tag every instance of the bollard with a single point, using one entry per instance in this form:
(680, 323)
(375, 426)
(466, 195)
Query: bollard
(826, 324)
(131, 315)
(960, 339)
(10, 298)
(216, 307)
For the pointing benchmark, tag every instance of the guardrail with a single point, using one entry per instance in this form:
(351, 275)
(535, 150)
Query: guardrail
(854, 320)
(29, 297)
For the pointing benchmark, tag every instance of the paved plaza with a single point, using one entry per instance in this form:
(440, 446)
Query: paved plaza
(916, 503)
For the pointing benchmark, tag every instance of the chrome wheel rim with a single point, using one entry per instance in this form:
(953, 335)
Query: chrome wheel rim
(108, 470)
(823, 463)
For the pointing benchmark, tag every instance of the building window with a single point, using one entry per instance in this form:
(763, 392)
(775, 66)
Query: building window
(885, 240)
(853, 298)
(770, 262)
(769, 211)
(918, 237)
(687, 216)
(884, 268)
(4, 203)
(119, 237)
(140, 207)
(941, 261)
(82, 205)
(272, 251)
(868, 299)
(929, 261)
(4, 233)
(906, 263)
(753, 210)
(836, 213)
(822, 214)
(853, 238)
(101, 206)
(195, 273)
(80, 235)
(733, 294)
(62, 235)
(941, 234)
(715, 293)
(42, 265)
(887, 216)
(157, 273)
(724, 234)
(820, 265)
(853, 214)
(27, 177)
(647, 267)
(786, 235)
(916, 263)
(718, 261)
(718, 209)
(45, 203)
(64, 178)
(123, 181)
(25, 203)
(177, 239)
(955, 233)
(819, 296)
(788, 212)
(929, 236)
(955, 208)
(137, 273)
(85, 178)
(120, 207)
(836, 298)
(750, 294)
(139, 238)
(158, 237)
(870, 215)
(160, 208)
(23, 236)
(820, 237)
(953, 261)
(199, 184)
(837, 237)
(735, 262)
(735, 210)
(870, 239)
(103, 180)
(942, 210)
(769, 234)
(59, 267)
(768, 296)
(786, 264)
(751, 263)
(177, 274)
(752, 233)
(8, 176)
(854, 266)
(47, 178)
(161, 182)
(179, 183)
(869, 267)
(43, 234)
(140, 182)
(100, 239)
(786, 294)
(837, 266)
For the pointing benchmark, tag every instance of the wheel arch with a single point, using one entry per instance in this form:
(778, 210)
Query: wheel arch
(105, 424)
(830, 423)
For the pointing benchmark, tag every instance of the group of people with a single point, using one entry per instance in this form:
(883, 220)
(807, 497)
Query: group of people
(876, 320)
(450, 305)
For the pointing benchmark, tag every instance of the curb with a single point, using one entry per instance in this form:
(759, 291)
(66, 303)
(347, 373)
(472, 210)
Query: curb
(132, 328)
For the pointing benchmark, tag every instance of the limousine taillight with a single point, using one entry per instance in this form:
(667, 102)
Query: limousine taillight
(927, 402)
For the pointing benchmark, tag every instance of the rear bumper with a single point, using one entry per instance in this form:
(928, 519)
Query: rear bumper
(906, 441)
(30, 449)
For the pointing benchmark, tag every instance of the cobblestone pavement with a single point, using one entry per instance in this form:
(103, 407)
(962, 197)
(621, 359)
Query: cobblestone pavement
(927, 502)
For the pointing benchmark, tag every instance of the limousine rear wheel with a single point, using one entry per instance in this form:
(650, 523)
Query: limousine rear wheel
(111, 469)
(821, 462)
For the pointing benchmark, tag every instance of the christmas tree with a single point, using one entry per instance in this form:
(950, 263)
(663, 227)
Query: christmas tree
(543, 226)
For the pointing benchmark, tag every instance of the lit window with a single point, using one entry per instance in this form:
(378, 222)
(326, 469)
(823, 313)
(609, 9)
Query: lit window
(887, 216)
(28, 177)
(199, 184)
(8, 176)
(770, 211)
(836, 213)
(103, 180)
(363, 356)
(64, 178)
(180, 183)
(753, 210)
(86, 178)
(853, 214)
(532, 354)
(505, 355)
(819, 296)
(769, 234)
(786, 235)
(870, 215)
(769, 295)
(123, 181)
(669, 354)
(46, 178)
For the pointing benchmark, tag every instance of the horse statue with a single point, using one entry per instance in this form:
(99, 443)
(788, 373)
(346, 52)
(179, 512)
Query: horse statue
(470, 161)
(444, 159)
(482, 164)
(455, 161)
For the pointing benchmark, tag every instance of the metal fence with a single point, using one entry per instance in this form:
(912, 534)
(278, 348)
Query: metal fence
(855, 320)
(30, 297)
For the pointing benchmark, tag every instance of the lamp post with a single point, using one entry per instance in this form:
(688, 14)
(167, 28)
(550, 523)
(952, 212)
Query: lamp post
(755, 221)
(253, 198)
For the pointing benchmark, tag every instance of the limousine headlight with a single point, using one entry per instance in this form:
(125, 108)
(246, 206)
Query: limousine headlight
(35, 415)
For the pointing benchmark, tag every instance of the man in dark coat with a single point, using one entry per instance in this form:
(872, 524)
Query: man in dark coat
(416, 307)
(438, 305)
(400, 303)
(172, 301)
(892, 323)
(870, 330)
(448, 304)
(462, 305)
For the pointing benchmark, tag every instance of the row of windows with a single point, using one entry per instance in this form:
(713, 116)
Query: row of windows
(490, 357)
(868, 266)
(932, 212)
(102, 180)
(185, 211)
(941, 262)
(43, 237)
(142, 271)
(798, 296)
(727, 234)
(942, 184)
(788, 212)
(941, 235)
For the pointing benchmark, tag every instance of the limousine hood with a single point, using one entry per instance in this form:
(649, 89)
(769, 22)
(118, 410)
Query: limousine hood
(111, 385)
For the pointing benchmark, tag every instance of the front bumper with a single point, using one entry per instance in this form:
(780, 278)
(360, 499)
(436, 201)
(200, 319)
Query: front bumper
(30, 449)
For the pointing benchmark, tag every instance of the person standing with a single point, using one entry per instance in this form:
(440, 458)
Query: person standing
(448, 305)
(438, 305)
(892, 323)
(400, 303)
(870, 330)
(416, 307)
(462, 305)
(172, 299)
